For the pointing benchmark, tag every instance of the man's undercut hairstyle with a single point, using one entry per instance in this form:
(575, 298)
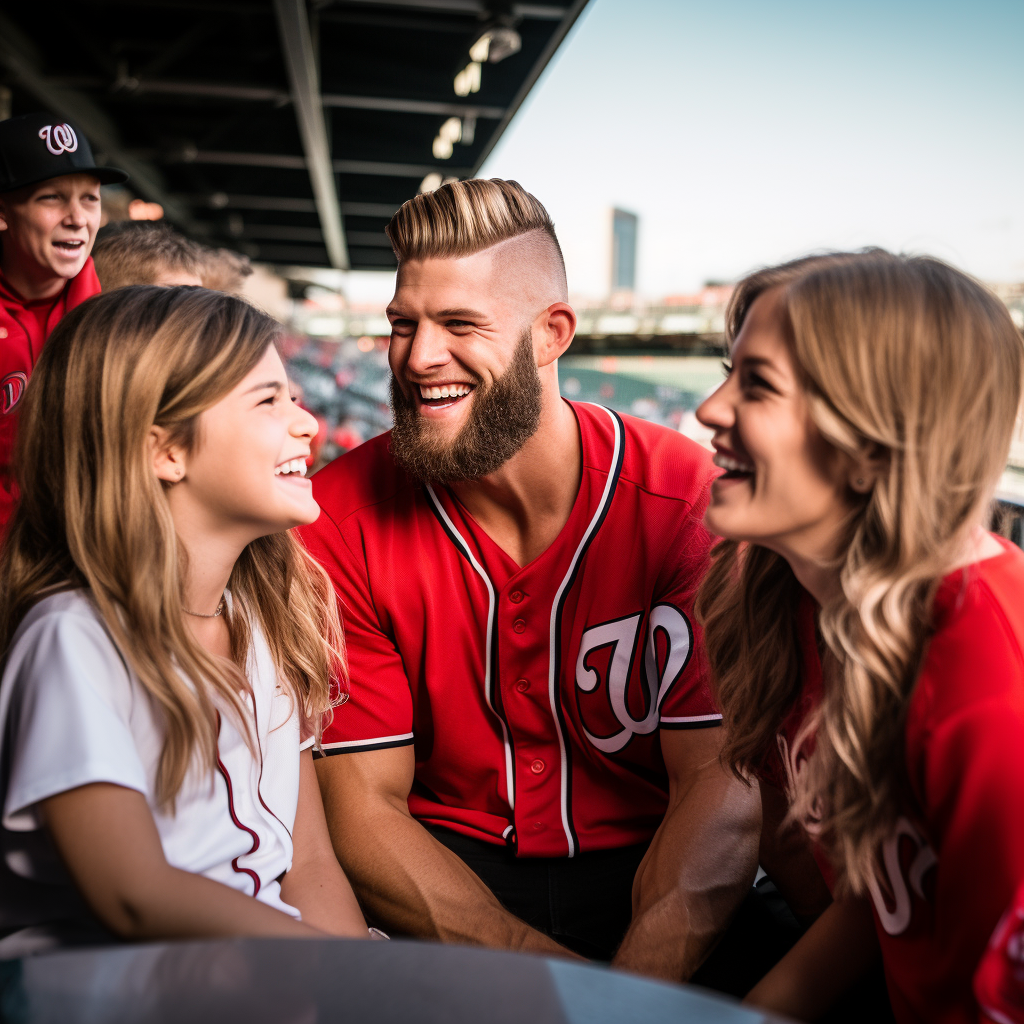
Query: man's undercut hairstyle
(139, 251)
(466, 217)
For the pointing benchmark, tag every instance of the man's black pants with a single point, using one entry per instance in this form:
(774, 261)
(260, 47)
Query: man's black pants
(586, 904)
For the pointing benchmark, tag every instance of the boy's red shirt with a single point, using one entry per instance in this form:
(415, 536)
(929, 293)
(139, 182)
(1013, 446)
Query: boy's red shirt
(24, 327)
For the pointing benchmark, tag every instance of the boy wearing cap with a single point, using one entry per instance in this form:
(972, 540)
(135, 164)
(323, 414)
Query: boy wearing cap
(49, 215)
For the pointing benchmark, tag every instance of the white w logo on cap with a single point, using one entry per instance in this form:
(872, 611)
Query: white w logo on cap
(60, 138)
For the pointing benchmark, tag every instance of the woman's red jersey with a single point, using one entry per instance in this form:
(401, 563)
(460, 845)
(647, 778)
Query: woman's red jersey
(956, 856)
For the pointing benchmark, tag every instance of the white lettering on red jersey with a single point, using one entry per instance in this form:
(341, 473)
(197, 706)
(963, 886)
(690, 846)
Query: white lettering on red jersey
(534, 695)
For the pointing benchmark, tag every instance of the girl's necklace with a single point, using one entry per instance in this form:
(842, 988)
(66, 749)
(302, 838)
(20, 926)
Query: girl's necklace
(206, 615)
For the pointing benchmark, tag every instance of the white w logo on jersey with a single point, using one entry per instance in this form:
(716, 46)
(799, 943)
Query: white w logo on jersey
(621, 635)
(59, 138)
(897, 919)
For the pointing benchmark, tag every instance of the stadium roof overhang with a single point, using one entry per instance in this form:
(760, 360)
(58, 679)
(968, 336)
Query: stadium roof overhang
(289, 130)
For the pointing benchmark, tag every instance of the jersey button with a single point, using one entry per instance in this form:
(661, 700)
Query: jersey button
(516, 596)
(537, 766)
(538, 826)
(522, 686)
(519, 626)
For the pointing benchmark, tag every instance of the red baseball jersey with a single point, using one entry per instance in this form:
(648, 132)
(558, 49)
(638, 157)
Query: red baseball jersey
(24, 326)
(957, 854)
(534, 696)
(999, 980)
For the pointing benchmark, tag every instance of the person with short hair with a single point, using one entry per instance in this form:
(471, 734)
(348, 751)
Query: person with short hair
(145, 252)
(530, 757)
(224, 270)
(49, 215)
(168, 644)
(865, 632)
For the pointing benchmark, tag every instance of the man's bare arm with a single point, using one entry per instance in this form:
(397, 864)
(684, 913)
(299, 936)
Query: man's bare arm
(405, 878)
(700, 865)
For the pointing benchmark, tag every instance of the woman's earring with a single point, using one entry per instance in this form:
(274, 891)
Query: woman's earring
(860, 481)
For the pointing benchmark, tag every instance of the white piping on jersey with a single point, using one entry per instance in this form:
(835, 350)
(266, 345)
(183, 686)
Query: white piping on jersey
(504, 835)
(509, 784)
(691, 718)
(552, 681)
(346, 744)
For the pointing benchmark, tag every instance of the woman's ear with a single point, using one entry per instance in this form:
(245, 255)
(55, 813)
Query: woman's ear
(168, 459)
(867, 468)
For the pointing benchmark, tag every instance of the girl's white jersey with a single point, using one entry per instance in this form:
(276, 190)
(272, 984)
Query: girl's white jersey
(72, 712)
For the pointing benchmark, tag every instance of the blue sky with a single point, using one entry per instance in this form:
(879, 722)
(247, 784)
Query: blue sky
(746, 132)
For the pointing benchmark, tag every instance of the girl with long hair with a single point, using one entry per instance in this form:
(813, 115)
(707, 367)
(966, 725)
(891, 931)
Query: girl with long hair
(865, 633)
(167, 643)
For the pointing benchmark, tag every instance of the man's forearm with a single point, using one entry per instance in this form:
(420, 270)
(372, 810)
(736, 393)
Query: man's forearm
(411, 883)
(698, 870)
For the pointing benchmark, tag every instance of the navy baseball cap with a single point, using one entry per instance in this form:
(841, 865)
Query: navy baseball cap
(35, 147)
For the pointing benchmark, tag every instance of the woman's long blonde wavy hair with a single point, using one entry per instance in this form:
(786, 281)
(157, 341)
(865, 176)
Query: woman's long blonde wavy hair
(912, 363)
(94, 515)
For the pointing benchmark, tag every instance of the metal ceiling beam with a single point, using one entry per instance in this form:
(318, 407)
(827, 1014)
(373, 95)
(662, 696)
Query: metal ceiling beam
(412, 106)
(277, 204)
(285, 233)
(540, 12)
(293, 25)
(390, 170)
(258, 94)
(17, 54)
(283, 204)
(380, 259)
(288, 162)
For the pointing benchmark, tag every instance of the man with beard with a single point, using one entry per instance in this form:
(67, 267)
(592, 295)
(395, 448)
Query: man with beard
(525, 762)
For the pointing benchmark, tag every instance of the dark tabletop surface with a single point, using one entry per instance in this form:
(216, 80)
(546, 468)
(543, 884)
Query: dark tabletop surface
(306, 981)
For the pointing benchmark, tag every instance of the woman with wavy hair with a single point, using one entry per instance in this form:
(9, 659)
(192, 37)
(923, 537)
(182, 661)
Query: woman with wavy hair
(865, 632)
(167, 643)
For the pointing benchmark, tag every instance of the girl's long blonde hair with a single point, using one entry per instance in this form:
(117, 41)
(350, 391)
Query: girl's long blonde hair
(914, 363)
(94, 515)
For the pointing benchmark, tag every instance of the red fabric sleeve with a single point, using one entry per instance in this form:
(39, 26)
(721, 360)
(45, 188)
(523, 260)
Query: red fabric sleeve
(378, 713)
(973, 795)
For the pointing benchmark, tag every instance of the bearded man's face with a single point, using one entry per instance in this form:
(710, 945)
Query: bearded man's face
(502, 415)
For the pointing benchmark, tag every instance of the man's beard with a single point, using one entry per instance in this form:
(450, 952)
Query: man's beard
(503, 417)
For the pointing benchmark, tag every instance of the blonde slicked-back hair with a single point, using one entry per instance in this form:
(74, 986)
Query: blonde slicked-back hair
(466, 217)
(906, 358)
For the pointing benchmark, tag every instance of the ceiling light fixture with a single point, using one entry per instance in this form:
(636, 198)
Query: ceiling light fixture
(468, 79)
(450, 133)
(495, 44)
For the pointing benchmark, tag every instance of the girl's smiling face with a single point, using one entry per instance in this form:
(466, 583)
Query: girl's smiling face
(246, 472)
(784, 486)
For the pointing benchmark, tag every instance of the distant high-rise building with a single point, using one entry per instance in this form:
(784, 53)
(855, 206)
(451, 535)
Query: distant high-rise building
(624, 231)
